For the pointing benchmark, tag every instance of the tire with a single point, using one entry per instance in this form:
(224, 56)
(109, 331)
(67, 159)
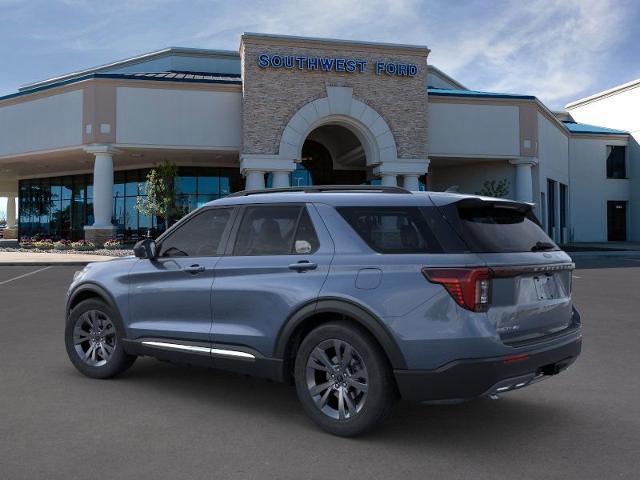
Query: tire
(96, 353)
(361, 375)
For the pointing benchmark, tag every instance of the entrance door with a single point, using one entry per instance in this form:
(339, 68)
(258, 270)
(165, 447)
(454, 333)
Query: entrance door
(617, 221)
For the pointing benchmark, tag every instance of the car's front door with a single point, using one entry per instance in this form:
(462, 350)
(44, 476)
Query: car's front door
(170, 296)
(278, 261)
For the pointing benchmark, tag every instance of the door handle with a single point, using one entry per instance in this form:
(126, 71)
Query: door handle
(193, 269)
(303, 265)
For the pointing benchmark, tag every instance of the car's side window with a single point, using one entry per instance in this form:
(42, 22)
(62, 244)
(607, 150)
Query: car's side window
(200, 236)
(275, 230)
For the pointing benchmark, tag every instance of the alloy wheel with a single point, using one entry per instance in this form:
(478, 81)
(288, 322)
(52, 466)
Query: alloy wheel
(94, 338)
(337, 379)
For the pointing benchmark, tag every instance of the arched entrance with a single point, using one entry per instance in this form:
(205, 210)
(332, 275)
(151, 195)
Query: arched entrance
(333, 155)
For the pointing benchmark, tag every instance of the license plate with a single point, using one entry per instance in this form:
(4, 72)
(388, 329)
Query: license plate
(545, 287)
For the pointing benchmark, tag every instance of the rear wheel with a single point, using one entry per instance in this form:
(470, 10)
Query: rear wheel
(93, 338)
(343, 379)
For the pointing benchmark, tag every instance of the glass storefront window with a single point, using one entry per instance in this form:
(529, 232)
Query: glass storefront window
(60, 207)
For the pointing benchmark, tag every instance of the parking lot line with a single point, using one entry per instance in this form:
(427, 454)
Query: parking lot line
(24, 275)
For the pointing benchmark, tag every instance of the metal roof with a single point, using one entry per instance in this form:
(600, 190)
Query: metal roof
(575, 127)
(444, 92)
(145, 57)
(187, 77)
(176, 75)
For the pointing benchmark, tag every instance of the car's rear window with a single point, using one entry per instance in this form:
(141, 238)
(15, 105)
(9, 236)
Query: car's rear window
(498, 227)
(394, 229)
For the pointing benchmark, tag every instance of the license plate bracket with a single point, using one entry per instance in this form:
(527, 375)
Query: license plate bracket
(545, 287)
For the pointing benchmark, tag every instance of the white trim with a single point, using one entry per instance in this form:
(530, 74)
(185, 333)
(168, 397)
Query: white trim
(199, 349)
(605, 93)
(231, 353)
(177, 346)
(154, 146)
(42, 152)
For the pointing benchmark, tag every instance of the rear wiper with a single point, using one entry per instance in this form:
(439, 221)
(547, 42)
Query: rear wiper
(539, 246)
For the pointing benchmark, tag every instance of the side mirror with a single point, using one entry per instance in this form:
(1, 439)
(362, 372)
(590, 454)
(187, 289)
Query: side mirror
(145, 249)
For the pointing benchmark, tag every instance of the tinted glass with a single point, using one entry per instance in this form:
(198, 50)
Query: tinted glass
(200, 236)
(267, 230)
(616, 162)
(306, 240)
(489, 227)
(392, 229)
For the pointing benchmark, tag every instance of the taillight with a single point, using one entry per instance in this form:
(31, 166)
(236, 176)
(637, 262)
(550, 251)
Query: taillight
(469, 287)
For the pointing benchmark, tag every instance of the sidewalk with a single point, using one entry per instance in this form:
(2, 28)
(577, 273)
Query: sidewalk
(33, 258)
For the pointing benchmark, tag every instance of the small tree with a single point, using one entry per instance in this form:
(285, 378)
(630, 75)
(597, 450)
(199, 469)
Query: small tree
(160, 199)
(491, 188)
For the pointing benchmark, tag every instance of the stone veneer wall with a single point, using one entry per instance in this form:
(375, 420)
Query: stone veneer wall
(271, 96)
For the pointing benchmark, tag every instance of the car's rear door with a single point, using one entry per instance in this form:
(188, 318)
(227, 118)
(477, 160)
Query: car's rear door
(276, 261)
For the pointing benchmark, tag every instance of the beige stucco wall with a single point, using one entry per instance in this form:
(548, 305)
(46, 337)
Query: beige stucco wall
(178, 117)
(459, 129)
(50, 122)
(272, 96)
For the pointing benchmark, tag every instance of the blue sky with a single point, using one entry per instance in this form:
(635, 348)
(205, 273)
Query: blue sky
(557, 50)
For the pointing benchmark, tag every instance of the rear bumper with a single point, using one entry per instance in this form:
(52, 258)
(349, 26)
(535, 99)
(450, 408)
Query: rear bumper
(466, 379)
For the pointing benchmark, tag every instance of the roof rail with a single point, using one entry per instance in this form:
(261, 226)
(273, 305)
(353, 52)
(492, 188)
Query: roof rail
(325, 188)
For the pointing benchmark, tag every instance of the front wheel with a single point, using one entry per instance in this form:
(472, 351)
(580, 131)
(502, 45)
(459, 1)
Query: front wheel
(93, 338)
(343, 379)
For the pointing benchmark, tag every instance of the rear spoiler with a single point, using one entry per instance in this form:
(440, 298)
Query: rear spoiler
(477, 200)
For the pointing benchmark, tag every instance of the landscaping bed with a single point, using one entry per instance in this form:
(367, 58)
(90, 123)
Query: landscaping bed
(111, 248)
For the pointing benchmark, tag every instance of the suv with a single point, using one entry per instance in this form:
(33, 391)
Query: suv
(357, 295)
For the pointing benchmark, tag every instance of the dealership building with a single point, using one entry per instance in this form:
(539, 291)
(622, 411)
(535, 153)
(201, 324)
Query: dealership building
(75, 149)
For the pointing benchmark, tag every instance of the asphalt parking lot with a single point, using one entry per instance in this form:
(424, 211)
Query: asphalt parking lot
(163, 421)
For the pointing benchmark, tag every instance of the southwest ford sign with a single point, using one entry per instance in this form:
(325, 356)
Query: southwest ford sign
(331, 64)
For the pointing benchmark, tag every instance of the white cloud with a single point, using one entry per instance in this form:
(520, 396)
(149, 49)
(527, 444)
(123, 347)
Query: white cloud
(555, 49)
(551, 49)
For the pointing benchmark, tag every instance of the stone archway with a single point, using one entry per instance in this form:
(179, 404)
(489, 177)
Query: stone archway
(340, 108)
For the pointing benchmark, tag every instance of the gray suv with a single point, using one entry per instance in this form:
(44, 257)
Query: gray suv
(357, 295)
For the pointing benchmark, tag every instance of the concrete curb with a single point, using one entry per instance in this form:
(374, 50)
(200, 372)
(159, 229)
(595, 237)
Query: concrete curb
(49, 259)
(614, 253)
(45, 264)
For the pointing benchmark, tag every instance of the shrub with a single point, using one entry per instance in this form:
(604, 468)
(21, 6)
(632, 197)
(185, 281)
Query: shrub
(62, 245)
(83, 245)
(113, 244)
(46, 244)
(26, 242)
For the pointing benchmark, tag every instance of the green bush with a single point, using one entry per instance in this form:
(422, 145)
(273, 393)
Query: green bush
(83, 245)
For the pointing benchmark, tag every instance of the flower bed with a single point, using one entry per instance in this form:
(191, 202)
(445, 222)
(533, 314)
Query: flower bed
(83, 245)
(43, 244)
(113, 244)
(62, 245)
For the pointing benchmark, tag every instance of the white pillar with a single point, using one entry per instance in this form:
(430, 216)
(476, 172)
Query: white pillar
(103, 190)
(254, 180)
(11, 211)
(102, 229)
(389, 180)
(280, 179)
(411, 182)
(524, 179)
